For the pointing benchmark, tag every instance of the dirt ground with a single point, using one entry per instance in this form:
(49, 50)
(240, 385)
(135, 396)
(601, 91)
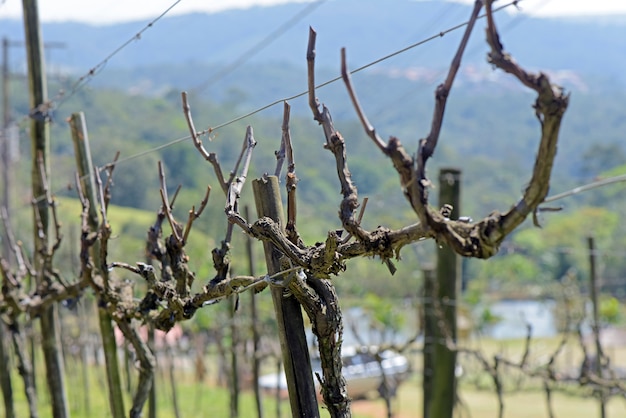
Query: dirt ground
(377, 409)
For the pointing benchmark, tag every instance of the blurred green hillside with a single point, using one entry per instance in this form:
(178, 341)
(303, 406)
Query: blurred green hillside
(490, 135)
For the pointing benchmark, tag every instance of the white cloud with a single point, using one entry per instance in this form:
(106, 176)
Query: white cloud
(108, 11)
(569, 8)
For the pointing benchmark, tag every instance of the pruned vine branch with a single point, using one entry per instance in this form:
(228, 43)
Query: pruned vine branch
(481, 239)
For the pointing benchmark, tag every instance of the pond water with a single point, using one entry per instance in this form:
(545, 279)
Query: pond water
(516, 314)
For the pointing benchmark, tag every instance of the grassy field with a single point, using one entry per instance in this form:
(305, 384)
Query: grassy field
(87, 398)
(484, 404)
(193, 399)
(210, 401)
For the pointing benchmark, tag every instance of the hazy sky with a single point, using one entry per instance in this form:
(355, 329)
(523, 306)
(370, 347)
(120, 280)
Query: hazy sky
(107, 11)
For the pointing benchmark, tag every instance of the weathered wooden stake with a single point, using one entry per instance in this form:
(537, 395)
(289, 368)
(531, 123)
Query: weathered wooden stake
(233, 380)
(83, 324)
(40, 140)
(296, 359)
(84, 163)
(448, 273)
(5, 376)
(593, 292)
(256, 339)
(430, 323)
(152, 404)
(25, 367)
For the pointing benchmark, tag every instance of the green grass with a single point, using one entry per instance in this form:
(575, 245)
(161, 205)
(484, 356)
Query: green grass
(129, 231)
(89, 399)
(206, 399)
(528, 402)
(484, 404)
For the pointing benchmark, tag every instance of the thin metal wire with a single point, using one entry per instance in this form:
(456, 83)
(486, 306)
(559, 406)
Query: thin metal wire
(258, 47)
(356, 70)
(584, 188)
(295, 96)
(100, 66)
(278, 101)
(158, 148)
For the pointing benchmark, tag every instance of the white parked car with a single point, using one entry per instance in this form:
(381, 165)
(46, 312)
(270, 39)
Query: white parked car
(361, 370)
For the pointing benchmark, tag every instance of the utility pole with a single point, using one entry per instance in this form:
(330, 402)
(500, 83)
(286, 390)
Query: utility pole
(5, 150)
(40, 140)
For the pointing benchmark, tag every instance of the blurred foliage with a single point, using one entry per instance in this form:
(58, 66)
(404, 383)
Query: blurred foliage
(610, 311)
(543, 255)
(385, 313)
(485, 318)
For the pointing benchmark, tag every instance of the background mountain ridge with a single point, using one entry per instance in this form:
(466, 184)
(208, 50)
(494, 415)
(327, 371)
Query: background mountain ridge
(366, 29)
